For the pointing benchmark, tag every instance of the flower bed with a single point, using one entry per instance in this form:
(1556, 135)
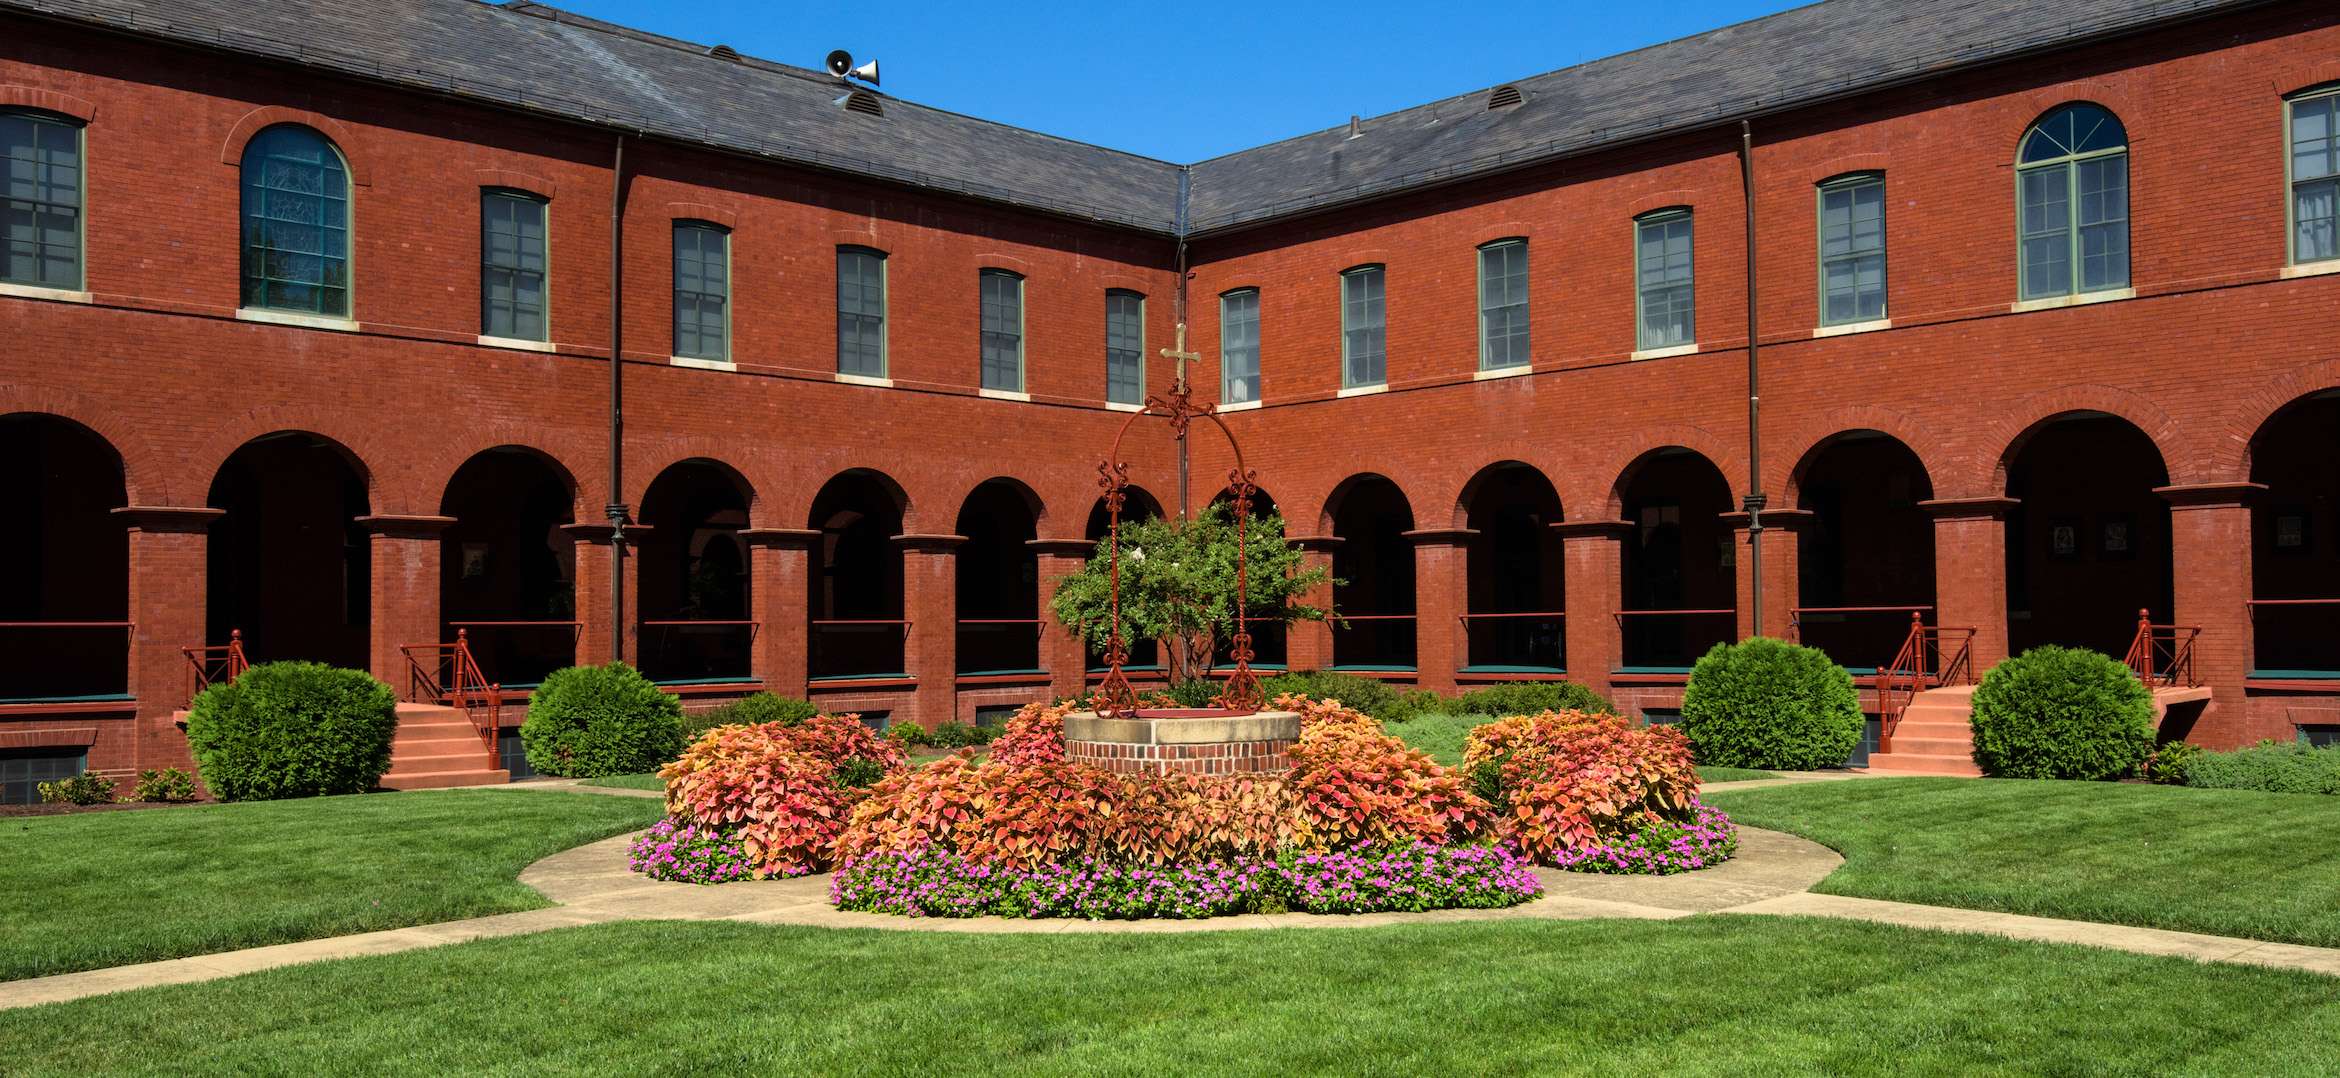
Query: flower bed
(680, 851)
(933, 882)
(1660, 847)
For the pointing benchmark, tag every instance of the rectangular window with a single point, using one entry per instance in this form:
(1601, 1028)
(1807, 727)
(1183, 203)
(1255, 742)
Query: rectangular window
(1663, 261)
(1003, 331)
(1125, 347)
(22, 771)
(2102, 187)
(702, 291)
(2315, 178)
(1239, 346)
(1364, 328)
(511, 265)
(1503, 305)
(41, 199)
(1852, 251)
(2047, 243)
(861, 312)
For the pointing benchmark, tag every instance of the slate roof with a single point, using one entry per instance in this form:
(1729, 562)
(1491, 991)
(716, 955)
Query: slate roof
(535, 57)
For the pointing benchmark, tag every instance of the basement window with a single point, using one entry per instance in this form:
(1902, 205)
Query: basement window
(512, 756)
(877, 721)
(2320, 736)
(1504, 97)
(22, 771)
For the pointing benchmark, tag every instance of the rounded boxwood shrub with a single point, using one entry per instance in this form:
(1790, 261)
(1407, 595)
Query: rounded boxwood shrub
(1532, 698)
(292, 729)
(1365, 694)
(2062, 713)
(1767, 703)
(588, 721)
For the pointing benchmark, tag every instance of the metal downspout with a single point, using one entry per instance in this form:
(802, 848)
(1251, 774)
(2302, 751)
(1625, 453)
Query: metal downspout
(1754, 500)
(616, 509)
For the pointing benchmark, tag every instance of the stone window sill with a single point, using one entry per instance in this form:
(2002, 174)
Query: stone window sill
(1513, 371)
(1364, 391)
(518, 343)
(1120, 407)
(1665, 353)
(864, 380)
(2050, 303)
(305, 321)
(1003, 395)
(35, 291)
(2312, 269)
(702, 364)
(1870, 326)
(1239, 406)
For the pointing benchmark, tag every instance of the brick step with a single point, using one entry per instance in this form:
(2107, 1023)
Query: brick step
(440, 780)
(1933, 746)
(437, 761)
(434, 746)
(1932, 728)
(1911, 763)
(436, 728)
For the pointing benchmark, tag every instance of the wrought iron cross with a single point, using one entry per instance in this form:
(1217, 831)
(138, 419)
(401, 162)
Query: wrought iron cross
(1179, 355)
(1182, 357)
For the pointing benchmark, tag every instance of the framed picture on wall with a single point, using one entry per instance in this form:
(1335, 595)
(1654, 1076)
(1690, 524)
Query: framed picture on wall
(2117, 537)
(2064, 538)
(475, 560)
(2291, 531)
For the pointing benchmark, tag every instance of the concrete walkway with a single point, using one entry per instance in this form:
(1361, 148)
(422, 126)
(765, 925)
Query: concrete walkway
(1773, 874)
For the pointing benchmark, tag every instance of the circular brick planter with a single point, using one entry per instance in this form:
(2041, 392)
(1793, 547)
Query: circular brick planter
(1197, 742)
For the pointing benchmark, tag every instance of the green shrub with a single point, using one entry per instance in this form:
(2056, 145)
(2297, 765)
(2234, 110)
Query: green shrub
(2169, 763)
(2290, 767)
(1531, 698)
(590, 721)
(1364, 694)
(2062, 713)
(956, 734)
(1770, 704)
(909, 735)
(87, 788)
(168, 784)
(752, 710)
(293, 729)
(1412, 704)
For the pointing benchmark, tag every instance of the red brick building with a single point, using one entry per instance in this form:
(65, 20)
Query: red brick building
(308, 317)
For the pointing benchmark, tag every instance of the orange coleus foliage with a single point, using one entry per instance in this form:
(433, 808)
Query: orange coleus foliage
(777, 784)
(1570, 779)
(1352, 783)
(1035, 735)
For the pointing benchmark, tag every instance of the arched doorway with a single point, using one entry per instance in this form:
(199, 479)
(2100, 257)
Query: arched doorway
(697, 622)
(508, 567)
(1268, 648)
(1680, 561)
(998, 581)
(290, 567)
(1865, 559)
(857, 625)
(2295, 542)
(65, 572)
(1516, 593)
(2088, 541)
(1374, 565)
(1137, 505)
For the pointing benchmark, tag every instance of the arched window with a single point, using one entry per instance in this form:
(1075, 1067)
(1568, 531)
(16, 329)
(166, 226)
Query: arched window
(296, 223)
(2072, 183)
(2315, 175)
(40, 196)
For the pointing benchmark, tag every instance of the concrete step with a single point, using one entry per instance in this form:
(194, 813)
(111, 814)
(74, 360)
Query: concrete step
(1910, 763)
(1961, 748)
(441, 780)
(420, 763)
(425, 746)
(1933, 727)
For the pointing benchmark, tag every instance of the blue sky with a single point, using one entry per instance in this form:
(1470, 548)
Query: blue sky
(1182, 81)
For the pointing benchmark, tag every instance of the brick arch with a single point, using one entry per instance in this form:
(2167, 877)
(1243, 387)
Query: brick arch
(810, 492)
(512, 179)
(231, 152)
(144, 480)
(435, 473)
(1820, 172)
(1331, 498)
(359, 442)
(1618, 469)
(738, 476)
(2025, 416)
(2228, 458)
(1463, 487)
(2034, 107)
(645, 464)
(1033, 502)
(1680, 198)
(1932, 455)
(33, 97)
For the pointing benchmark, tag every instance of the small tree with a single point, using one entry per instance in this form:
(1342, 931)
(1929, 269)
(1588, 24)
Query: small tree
(1178, 584)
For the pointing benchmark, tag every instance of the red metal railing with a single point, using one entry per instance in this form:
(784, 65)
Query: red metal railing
(2156, 662)
(215, 665)
(129, 636)
(1516, 649)
(446, 674)
(1381, 643)
(821, 657)
(1796, 615)
(1930, 655)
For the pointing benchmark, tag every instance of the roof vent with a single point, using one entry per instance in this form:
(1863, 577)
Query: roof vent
(723, 52)
(862, 101)
(1503, 97)
(1356, 126)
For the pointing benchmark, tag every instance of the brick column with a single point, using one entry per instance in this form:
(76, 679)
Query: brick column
(930, 600)
(1782, 590)
(593, 598)
(1061, 652)
(1595, 580)
(1441, 597)
(780, 597)
(1308, 644)
(2210, 553)
(1970, 571)
(404, 593)
(169, 546)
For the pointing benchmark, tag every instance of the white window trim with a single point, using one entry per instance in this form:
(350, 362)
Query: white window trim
(287, 318)
(703, 364)
(863, 380)
(62, 295)
(522, 344)
(1118, 406)
(1003, 394)
(1842, 328)
(885, 314)
(1485, 374)
(1663, 353)
(1364, 390)
(2316, 268)
(2049, 303)
(1239, 406)
(2290, 203)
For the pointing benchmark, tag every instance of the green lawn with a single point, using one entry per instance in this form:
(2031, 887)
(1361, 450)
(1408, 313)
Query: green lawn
(1711, 995)
(1732, 774)
(110, 888)
(1442, 736)
(2228, 862)
(646, 781)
